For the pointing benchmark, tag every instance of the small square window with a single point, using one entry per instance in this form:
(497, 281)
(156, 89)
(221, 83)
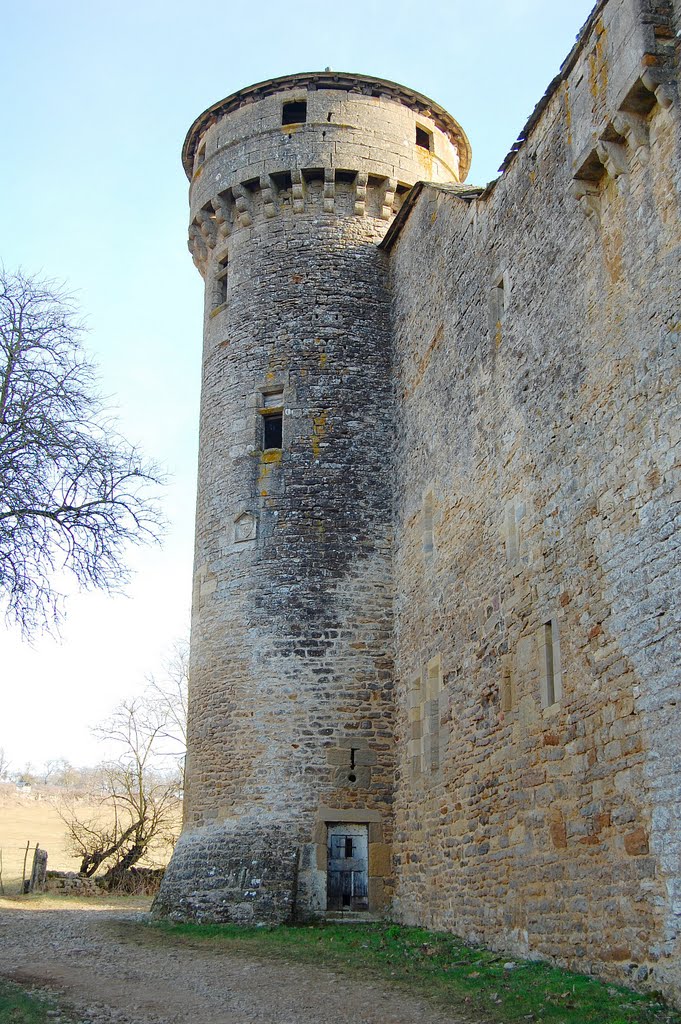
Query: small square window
(295, 112)
(424, 138)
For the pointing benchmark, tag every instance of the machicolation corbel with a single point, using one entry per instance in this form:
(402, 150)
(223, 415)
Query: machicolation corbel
(634, 129)
(297, 190)
(241, 200)
(389, 199)
(613, 156)
(589, 196)
(361, 193)
(223, 215)
(329, 189)
(207, 225)
(197, 248)
(267, 196)
(657, 83)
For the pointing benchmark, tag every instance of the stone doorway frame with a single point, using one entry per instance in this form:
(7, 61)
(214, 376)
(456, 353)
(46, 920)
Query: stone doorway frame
(380, 867)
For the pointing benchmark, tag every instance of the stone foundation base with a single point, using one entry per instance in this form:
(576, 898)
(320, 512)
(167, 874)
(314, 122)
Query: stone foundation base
(242, 872)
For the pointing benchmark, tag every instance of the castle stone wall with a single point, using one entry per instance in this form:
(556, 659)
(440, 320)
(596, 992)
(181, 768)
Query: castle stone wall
(441, 611)
(536, 332)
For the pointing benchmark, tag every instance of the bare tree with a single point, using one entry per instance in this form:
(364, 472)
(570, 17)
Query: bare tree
(73, 493)
(140, 803)
(4, 764)
(169, 694)
(57, 771)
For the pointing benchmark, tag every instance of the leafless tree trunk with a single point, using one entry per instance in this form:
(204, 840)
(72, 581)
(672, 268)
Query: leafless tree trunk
(140, 805)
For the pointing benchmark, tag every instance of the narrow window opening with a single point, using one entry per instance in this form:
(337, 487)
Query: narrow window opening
(424, 138)
(416, 726)
(352, 756)
(272, 413)
(273, 430)
(499, 298)
(432, 716)
(498, 301)
(549, 664)
(348, 846)
(295, 112)
(506, 689)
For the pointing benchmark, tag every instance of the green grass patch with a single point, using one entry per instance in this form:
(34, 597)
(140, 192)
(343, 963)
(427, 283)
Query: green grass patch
(17, 1006)
(469, 980)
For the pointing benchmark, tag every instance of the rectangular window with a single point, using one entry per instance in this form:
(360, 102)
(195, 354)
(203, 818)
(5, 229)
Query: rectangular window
(424, 138)
(294, 113)
(272, 413)
(273, 430)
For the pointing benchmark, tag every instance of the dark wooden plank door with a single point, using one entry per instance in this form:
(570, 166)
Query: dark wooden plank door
(347, 878)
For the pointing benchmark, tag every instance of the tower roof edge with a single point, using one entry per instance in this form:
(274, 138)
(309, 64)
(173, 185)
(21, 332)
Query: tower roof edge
(345, 81)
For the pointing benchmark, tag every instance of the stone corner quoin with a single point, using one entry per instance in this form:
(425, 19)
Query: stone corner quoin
(432, 630)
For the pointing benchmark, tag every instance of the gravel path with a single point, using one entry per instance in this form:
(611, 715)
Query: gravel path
(109, 978)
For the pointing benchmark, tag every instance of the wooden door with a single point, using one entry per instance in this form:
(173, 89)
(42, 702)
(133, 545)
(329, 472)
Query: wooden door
(347, 878)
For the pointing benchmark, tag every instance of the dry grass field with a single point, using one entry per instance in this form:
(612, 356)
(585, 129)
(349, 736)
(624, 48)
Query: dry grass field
(34, 818)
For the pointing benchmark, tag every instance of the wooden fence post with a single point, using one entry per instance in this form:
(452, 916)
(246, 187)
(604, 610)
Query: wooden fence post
(23, 873)
(38, 871)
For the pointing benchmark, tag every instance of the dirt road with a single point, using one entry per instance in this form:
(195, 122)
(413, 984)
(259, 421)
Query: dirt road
(95, 959)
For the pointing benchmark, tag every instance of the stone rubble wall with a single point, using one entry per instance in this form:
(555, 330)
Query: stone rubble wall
(536, 332)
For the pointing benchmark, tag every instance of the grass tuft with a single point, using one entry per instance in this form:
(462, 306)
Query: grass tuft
(17, 1006)
(461, 978)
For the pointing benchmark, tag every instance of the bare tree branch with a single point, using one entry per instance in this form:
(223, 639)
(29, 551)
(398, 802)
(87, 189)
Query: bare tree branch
(73, 493)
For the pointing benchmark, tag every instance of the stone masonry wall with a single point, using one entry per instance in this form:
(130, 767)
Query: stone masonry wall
(536, 328)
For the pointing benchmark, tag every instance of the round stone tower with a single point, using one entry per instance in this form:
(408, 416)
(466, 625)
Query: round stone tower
(289, 773)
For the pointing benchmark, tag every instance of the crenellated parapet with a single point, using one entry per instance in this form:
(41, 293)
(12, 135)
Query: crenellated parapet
(319, 191)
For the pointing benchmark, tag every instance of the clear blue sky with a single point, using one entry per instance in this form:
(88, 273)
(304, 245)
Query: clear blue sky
(97, 100)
